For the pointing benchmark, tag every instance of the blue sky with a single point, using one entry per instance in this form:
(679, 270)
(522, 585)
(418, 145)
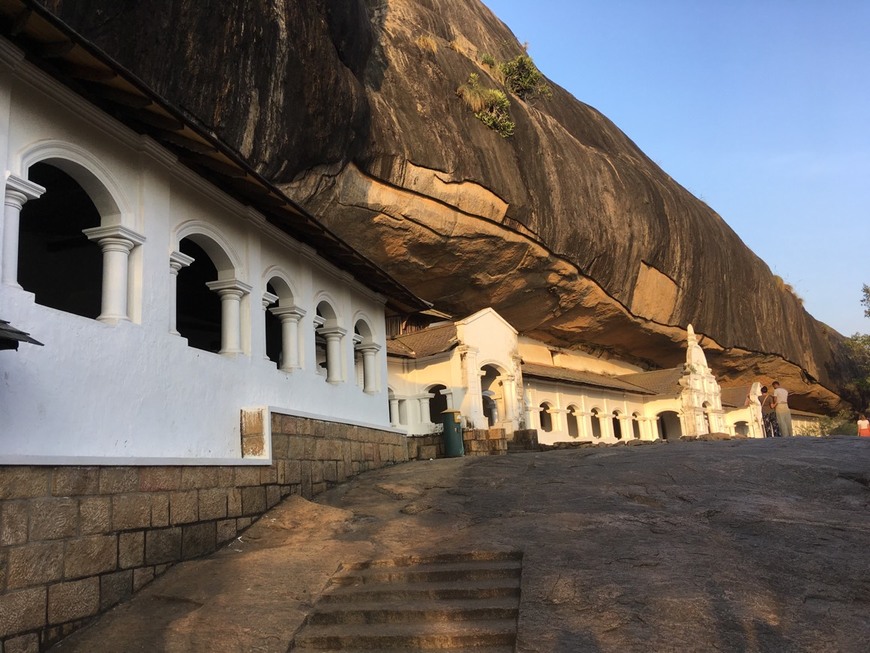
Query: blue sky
(761, 108)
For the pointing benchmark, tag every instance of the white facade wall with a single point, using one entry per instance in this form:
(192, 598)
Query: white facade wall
(534, 351)
(562, 397)
(130, 390)
(410, 384)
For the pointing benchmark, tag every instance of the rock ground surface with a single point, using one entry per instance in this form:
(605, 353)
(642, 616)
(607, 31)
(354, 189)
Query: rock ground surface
(702, 546)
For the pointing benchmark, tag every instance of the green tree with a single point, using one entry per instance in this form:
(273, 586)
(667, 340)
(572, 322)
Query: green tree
(489, 105)
(859, 352)
(523, 78)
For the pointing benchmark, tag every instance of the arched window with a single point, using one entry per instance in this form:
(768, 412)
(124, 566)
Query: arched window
(198, 313)
(56, 260)
(365, 356)
(492, 389)
(208, 297)
(706, 407)
(327, 339)
(635, 425)
(437, 403)
(596, 423)
(546, 418)
(617, 425)
(573, 427)
(282, 325)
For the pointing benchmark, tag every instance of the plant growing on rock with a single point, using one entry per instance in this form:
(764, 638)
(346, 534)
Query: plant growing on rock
(489, 105)
(523, 78)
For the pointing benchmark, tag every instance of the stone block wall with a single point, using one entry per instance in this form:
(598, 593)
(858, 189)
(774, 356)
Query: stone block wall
(476, 442)
(74, 541)
(484, 442)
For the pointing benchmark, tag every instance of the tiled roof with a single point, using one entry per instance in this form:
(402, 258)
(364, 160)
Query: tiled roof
(735, 397)
(427, 342)
(578, 377)
(10, 336)
(658, 382)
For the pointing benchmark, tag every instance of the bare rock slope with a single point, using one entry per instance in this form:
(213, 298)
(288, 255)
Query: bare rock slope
(566, 228)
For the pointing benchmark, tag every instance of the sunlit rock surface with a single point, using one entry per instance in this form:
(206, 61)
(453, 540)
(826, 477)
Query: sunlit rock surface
(567, 229)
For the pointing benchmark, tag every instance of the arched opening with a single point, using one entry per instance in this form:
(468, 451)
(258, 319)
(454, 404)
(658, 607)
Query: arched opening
(669, 425)
(706, 407)
(617, 425)
(437, 403)
(635, 425)
(365, 356)
(596, 423)
(573, 426)
(492, 389)
(327, 342)
(282, 325)
(56, 260)
(198, 308)
(274, 339)
(742, 428)
(546, 418)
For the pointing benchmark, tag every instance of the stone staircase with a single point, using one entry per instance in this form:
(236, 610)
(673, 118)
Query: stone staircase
(449, 602)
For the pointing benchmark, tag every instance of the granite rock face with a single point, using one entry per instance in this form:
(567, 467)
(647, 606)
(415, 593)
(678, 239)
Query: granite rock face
(566, 228)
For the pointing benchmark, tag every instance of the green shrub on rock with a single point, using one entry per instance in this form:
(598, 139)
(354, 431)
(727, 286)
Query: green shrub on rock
(489, 105)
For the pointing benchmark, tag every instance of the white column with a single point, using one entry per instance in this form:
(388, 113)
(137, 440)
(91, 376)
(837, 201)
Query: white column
(116, 242)
(425, 415)
(289, 316)
(333, 337)
(448, 394)
(268, 299)
(394, 412)
(509, 396)
(473, 395)
(177, 260)
(18, 192)
(231, 292)
(370, 377)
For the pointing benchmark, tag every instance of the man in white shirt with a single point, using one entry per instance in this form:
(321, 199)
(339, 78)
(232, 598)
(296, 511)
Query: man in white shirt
(783, 414)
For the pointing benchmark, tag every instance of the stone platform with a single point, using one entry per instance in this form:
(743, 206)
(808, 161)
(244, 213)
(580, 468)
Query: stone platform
(742, 545)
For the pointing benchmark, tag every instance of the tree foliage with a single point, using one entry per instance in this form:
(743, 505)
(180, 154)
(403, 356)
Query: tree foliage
(865, 301)
(489, 105)
(523, 78)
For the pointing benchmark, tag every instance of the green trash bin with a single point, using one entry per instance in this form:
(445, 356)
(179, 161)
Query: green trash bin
(452, 421)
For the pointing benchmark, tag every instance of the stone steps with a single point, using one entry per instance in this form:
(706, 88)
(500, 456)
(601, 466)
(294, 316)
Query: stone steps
(451, 602)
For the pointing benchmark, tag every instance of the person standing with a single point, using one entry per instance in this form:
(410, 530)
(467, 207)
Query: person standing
(768, 416)
(780, 406)
(863, 426)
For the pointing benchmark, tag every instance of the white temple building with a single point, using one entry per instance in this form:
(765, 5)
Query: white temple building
(171, 285)
(497, 379)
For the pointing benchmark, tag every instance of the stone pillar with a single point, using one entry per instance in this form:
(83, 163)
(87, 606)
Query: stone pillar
(18, 192)
(231, 292)
(333, 336)
(394, 412)
(425, 413)
(289, 316)
(474, 395)
(556, 419)
(177, 260)
(509, 394)
(269, 298)
(448, 394)
(116, 242)
(370, 377)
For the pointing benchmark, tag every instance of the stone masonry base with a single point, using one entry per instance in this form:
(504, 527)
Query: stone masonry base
(74, 541)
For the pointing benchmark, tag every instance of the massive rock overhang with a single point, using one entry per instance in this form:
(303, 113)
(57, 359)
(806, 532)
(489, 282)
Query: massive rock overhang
(65, 55)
